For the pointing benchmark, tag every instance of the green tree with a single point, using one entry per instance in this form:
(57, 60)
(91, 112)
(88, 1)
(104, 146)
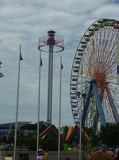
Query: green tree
(109, 134)
(64, 130)
(91, 132)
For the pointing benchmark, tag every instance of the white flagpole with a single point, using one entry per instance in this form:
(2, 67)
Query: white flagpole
(38, 104)
(81, 110)
(117, 58)
(60, 107)
(17, 105)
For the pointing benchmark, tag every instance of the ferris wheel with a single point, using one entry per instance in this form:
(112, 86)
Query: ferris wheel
(94, 93)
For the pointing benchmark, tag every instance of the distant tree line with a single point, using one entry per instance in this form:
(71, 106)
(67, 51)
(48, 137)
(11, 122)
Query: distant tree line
(108, 135)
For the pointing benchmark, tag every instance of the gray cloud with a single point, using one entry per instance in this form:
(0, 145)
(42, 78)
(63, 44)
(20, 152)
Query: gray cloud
(22, 23)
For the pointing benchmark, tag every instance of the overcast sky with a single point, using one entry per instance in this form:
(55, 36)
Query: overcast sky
(22, 23)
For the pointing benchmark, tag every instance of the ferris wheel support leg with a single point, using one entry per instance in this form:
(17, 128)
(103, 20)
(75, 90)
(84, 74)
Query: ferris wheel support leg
(114, 109)
(86, 105)
(98, 104)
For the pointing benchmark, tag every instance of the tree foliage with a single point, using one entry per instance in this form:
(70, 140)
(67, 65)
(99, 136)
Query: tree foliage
(108, 135)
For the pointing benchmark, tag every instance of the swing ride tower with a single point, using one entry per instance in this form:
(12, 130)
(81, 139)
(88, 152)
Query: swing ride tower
(50, 44)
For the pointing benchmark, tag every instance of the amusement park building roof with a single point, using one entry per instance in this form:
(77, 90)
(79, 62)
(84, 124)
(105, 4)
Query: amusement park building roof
(12, 125)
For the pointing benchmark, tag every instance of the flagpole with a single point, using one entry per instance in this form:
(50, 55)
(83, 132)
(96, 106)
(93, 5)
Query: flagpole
(60, 107)
(118, 59)
(17, 105)
(38, 103)
(81, 110)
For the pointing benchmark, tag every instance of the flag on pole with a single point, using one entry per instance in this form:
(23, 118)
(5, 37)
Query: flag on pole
(41, 63)
(21, 58)
(81, 70)
(62, 66)
(117, 58)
